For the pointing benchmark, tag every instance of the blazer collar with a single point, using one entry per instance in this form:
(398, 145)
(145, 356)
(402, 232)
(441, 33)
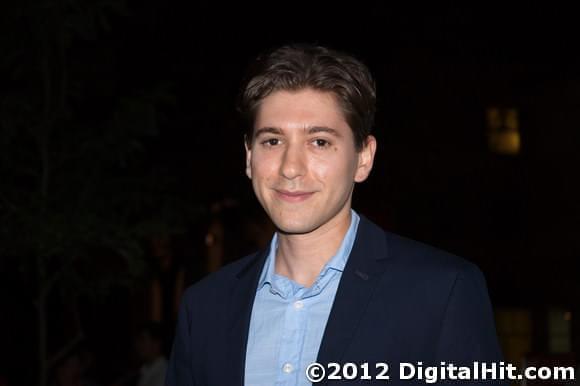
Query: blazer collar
(363, 268)
(359, 279)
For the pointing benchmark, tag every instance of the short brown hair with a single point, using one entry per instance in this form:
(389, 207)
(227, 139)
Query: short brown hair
(302, 66)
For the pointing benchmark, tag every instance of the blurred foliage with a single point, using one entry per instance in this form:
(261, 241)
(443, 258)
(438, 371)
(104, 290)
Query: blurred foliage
(71, 183)
(77, 181)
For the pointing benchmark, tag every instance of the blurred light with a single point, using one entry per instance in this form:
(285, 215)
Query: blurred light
(567, 316)
(503, 130)
(559, 331)
(209, 239)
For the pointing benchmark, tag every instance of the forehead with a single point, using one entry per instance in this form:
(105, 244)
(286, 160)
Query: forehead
(299, 109)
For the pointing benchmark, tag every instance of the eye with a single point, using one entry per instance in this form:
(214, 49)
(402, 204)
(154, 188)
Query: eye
(271, 142)
(321, 142)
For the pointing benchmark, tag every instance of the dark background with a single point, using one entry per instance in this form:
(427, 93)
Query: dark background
(438, 70)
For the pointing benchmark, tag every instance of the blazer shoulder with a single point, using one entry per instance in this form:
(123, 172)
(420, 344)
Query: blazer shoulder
(422, 257)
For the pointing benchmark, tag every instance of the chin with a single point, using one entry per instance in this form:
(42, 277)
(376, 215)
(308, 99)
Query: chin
(294, 226)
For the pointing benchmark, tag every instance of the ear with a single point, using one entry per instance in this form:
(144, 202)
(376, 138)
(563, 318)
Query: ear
(366, 158)
(248, 159)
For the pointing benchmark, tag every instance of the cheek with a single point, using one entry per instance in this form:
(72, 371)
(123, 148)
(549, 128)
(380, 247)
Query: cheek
(334, 170)
(322, 171)
(263, 168)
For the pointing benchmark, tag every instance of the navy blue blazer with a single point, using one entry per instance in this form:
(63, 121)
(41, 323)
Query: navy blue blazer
(398, 301)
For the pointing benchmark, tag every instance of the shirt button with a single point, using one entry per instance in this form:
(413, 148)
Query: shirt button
(298, 305)
(287, 368)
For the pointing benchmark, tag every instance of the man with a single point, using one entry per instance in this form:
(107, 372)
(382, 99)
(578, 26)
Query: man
(332, 286)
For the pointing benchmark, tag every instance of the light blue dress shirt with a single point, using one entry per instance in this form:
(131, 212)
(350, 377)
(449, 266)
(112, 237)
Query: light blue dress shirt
(288, 320)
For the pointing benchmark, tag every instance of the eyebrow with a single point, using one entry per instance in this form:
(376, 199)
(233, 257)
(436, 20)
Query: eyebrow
(266, 130)
(324, 129)
(311, 130)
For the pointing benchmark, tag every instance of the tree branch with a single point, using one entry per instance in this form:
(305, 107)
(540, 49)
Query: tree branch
(65, 350)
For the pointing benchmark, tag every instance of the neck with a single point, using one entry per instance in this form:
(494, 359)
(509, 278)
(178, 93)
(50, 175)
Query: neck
(301, 257)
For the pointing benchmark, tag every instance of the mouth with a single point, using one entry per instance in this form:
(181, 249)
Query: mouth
(293, 196)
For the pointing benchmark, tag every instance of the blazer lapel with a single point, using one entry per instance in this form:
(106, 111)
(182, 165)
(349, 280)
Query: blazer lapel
(364, 267)
(242, 296)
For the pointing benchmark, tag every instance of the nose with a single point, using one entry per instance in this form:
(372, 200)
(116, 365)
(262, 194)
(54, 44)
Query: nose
(293, 164)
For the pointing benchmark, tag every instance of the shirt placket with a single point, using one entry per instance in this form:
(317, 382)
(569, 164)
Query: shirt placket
(293, 337)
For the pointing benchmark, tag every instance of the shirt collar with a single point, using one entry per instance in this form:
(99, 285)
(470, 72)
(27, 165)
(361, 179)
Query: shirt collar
(336, 262)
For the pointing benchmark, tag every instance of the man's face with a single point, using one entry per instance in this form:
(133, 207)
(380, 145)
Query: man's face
(302, 162)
